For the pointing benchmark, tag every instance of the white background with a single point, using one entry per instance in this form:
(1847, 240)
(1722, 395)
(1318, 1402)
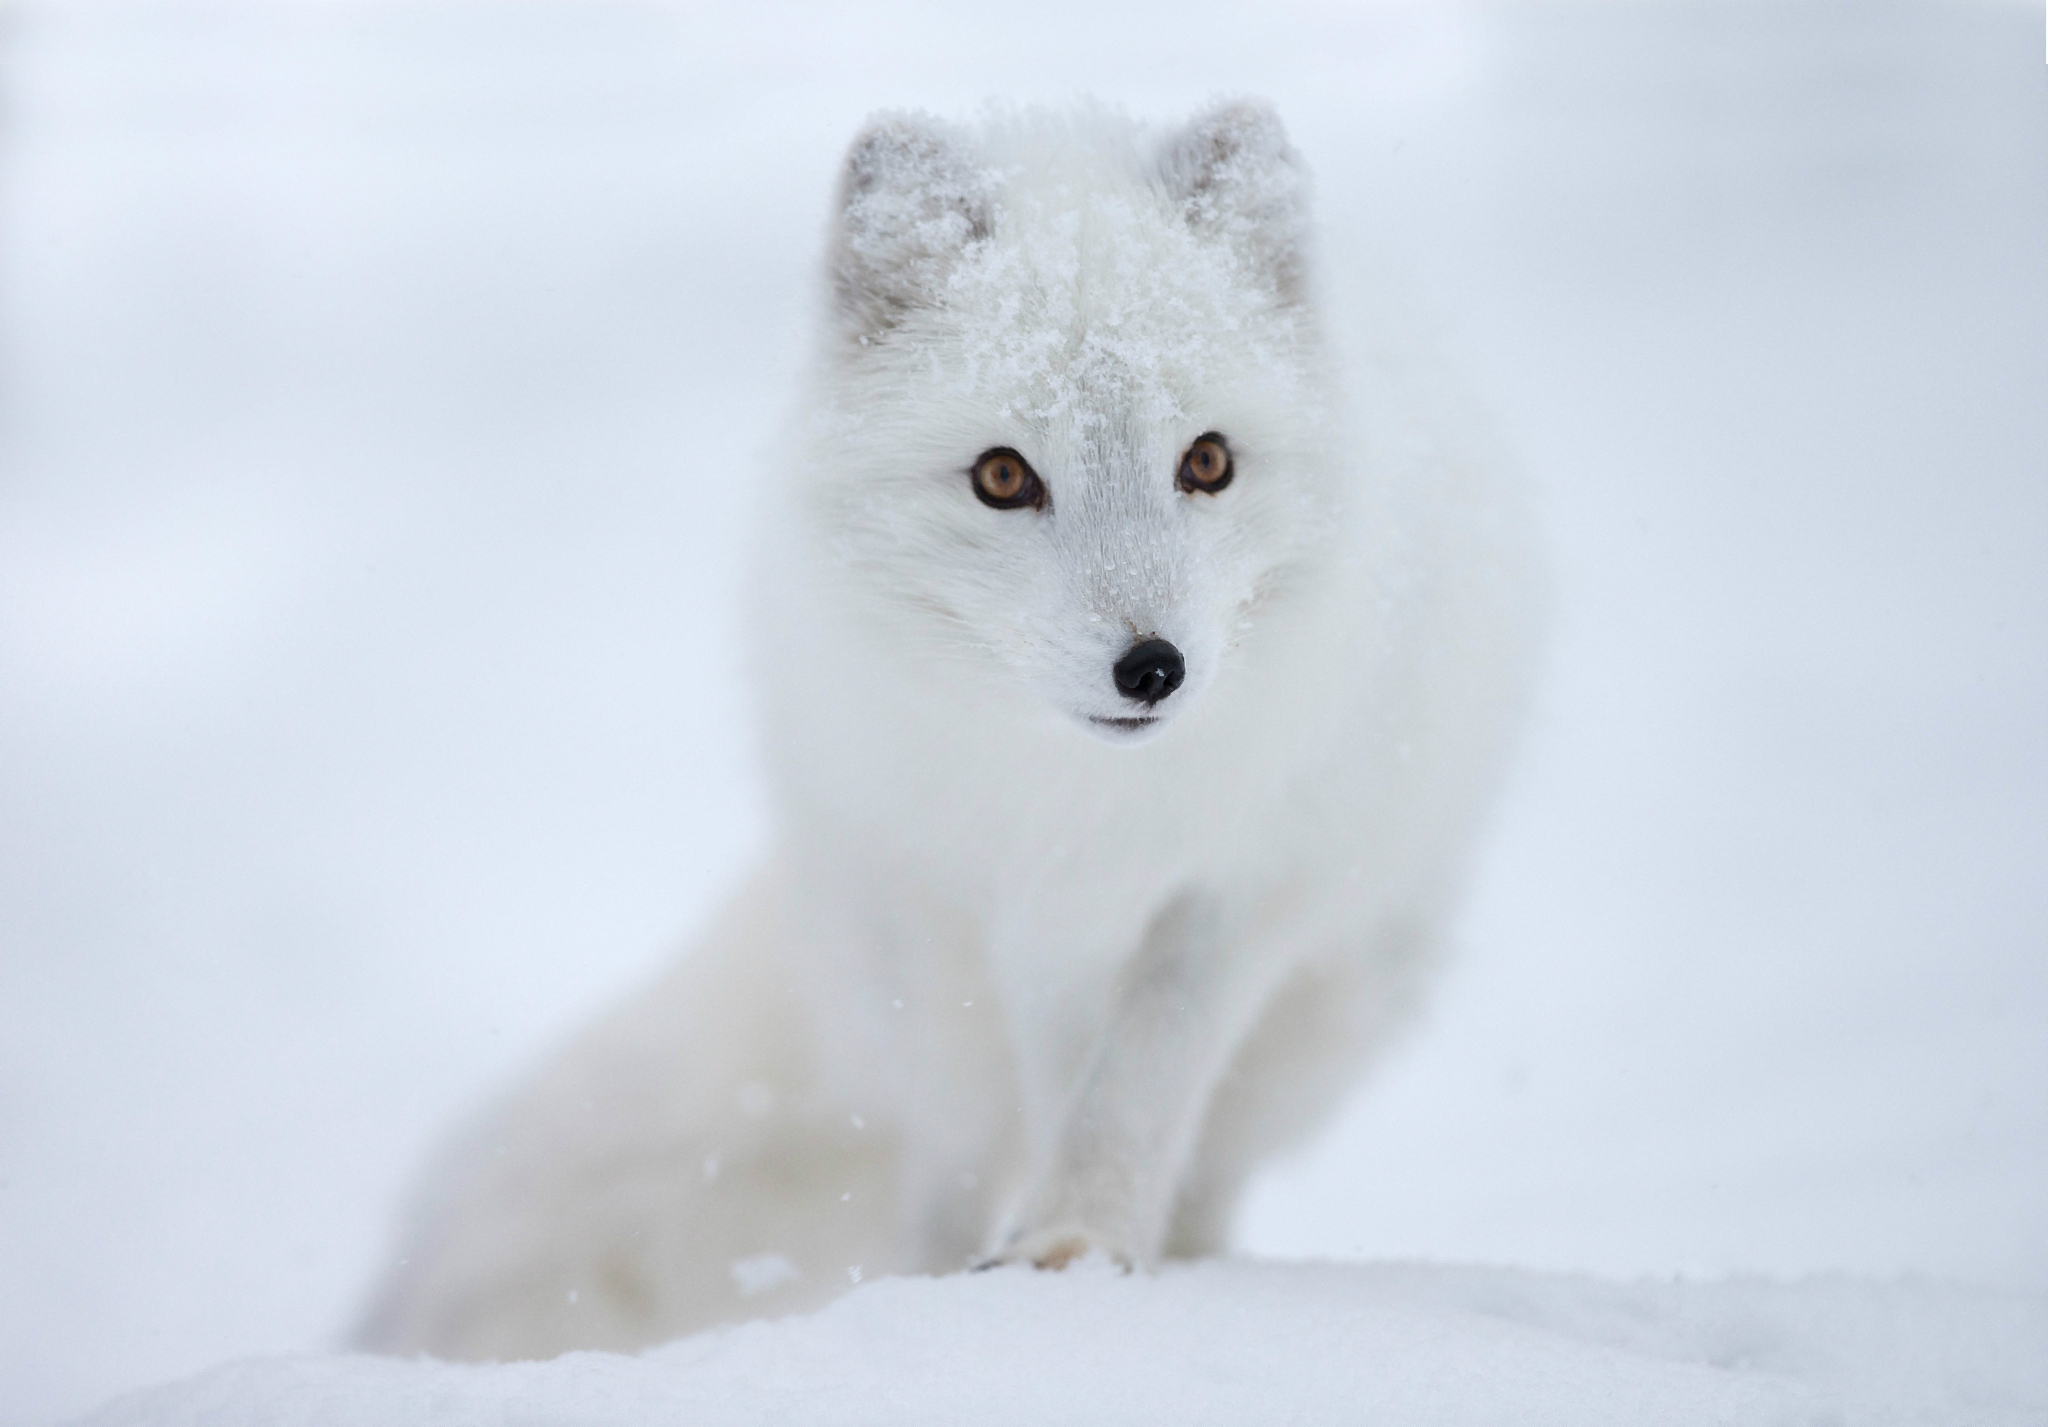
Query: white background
(378, 391)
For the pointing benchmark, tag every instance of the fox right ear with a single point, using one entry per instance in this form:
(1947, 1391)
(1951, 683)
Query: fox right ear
(911, 200)
(1237, 179)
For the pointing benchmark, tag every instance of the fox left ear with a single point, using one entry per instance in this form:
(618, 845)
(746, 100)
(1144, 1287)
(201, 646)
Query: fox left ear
(912, 199)
(1237, 178)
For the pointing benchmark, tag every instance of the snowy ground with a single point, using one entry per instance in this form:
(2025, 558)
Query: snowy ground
(1229, 1343)
(377, 385)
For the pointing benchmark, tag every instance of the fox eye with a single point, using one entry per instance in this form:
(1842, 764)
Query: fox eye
(1207, 466)
(1003, 479)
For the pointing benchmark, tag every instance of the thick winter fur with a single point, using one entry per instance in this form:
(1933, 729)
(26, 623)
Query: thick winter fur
(1015, 984)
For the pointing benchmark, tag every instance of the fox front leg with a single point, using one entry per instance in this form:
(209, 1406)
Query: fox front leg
(1108, 1178)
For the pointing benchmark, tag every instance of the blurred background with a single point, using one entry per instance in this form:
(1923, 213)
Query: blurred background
(379, 391)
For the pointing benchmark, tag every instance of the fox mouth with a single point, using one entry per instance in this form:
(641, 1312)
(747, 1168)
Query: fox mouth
(1127, 725)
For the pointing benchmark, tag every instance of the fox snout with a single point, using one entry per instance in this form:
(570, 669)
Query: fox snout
(1148, 674)
(1150, 671)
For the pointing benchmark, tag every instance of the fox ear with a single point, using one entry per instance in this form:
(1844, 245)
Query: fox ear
(1236, 178)
(911, 200)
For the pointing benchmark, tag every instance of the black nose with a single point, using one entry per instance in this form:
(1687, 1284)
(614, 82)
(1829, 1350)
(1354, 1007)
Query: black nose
(1150, 671)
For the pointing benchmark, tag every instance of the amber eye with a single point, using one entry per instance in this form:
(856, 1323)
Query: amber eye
(1005, 480)
(1207, 466)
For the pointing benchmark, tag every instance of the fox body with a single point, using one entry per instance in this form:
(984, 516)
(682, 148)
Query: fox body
(1133, 673)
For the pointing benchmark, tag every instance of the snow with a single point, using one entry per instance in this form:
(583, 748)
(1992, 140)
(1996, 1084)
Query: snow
(377, 387)
(1229, 1343)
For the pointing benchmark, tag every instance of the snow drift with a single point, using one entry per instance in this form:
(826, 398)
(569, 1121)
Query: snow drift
(1229, 1342)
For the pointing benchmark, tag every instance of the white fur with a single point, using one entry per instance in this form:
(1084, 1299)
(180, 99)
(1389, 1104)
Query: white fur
(1015, 984)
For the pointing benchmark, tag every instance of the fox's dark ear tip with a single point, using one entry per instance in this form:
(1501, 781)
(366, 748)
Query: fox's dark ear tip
(889, 140)
(1244, 117)
(1237, 130)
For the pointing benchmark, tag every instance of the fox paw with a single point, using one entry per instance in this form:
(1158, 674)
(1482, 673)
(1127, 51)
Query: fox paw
(1054, 1249)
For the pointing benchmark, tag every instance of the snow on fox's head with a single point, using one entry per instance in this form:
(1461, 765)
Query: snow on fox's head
(1076, 426)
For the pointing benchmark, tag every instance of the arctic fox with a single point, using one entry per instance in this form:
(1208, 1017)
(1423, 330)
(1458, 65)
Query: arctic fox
(1132, 680)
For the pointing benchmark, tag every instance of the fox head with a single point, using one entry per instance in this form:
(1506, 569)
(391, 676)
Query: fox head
(1077, 422)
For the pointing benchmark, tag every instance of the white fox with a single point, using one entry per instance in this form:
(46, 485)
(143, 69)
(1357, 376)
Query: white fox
(1132, 682)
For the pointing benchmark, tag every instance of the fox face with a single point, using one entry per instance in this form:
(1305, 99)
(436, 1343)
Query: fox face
(1076, 431)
